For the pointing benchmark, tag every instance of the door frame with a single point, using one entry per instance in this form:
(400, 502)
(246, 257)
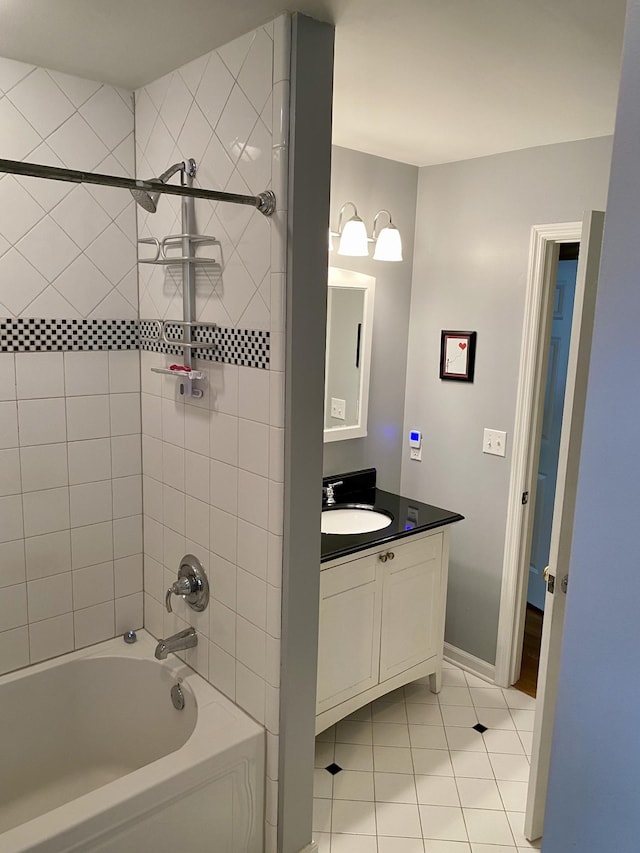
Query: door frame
(543, 257)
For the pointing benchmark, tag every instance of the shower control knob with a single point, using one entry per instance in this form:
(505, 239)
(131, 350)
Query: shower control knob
(192, 585)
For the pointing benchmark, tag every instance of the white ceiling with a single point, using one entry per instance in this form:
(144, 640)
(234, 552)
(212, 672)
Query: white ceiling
(421, 81)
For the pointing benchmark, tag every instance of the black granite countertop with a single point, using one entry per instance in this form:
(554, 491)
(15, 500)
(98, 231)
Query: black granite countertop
(409, 517)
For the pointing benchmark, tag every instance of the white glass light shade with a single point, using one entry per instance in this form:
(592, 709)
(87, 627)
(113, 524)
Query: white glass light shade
(388, 245)
(353, 239)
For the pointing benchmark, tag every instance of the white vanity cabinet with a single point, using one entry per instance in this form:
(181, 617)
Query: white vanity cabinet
(381, 622)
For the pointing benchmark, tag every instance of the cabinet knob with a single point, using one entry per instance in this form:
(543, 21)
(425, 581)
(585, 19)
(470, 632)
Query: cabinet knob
(391, 555)
(388, 555)
(382, 558)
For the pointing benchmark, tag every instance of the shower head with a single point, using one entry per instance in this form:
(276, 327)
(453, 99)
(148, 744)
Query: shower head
(149, 200)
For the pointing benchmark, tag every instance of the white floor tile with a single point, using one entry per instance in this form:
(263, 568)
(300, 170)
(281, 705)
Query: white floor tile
(496, 718)
(354, 817)
(400, 845)
(523, 719)
(322, 815)
(514, 795)
(387, 712)
(527, 741)
(427, 715)
(513, 768)
(517, 699)
(437, 791)
(432, 762)
(322, 783)
(455, 696)
(390, 734)
(503, 742)
(395, 787)
(341, 843)
(324, 753)
(476, 681)
(516, 821)
(492, 848)
(398, 819)
(392, 759)
(443, 823)
(361, 714)
(427, 737)
(452, 677)
(351, 756)
(353, 732)
(432, 846)
(453, 715)
(479, 794)
(487, 697)
(421, 693)
(323, 840)
(353, 785)
(487, 826)
(467, 739)
(471, 765)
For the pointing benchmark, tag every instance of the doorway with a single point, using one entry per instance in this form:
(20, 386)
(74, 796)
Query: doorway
(549, 448)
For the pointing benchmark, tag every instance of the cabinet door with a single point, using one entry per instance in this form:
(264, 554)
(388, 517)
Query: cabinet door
(349, 633)
(411, 605)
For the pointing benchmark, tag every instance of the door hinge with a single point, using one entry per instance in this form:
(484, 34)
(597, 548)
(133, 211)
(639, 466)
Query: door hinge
(525, 498)
(564, 583)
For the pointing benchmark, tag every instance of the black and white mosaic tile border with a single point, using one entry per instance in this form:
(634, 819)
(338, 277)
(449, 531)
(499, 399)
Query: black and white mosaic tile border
(244, 347)
(38, 335)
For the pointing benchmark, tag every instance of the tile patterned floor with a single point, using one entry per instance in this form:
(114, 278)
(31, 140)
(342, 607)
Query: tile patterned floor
(418, 773)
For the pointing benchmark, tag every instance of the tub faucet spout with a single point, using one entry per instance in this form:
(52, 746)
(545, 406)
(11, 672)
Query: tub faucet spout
(186, 639)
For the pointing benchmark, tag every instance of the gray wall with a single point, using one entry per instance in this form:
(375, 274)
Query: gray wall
(373, 183)
(593, 804)
(473, 227)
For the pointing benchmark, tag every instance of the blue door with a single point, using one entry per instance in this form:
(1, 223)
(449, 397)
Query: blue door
(551, 429)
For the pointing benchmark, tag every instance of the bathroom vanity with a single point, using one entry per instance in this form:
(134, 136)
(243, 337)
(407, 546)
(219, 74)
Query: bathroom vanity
(382, 605)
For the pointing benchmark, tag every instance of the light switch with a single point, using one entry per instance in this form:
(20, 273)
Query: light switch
(494, 442)
(338, 408)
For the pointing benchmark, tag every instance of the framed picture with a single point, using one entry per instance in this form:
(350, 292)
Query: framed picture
(457, 355)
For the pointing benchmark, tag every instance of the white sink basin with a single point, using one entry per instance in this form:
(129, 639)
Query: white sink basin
(359, 518)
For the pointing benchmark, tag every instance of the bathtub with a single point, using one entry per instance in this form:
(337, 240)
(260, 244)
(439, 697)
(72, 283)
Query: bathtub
(95, 757)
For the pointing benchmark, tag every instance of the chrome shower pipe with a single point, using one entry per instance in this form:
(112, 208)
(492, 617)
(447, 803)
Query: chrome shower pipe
(187, 174)
(265, 201)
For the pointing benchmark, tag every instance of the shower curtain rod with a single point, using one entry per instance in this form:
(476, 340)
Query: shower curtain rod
(265, 202)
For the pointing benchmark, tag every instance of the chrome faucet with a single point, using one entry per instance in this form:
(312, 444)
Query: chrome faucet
(328, 490)
(186, 639)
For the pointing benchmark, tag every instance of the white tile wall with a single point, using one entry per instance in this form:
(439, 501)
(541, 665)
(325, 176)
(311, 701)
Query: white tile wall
(71, 504)
(66, 251)
(213, 469)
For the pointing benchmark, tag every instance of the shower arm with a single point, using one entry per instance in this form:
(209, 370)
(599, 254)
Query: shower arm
(265, 201)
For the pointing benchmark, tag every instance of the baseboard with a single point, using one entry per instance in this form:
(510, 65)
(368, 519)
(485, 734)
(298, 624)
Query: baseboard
(470, 663)
(310, 848)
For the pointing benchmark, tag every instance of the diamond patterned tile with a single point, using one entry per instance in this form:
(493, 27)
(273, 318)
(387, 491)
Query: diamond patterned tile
(214, 89)
(82, 285)
(176, 105)
(17, 137)
(77, 89)
(20, 282)
(109, 116)
(41, 102)
(48, 248)
(236, 123)
(195, 134)
(112, 253)
(11, 72)
(19, 212)
(81, 217)
(46, 193)
(234, 53)
(77, 145)
(257, 72)
(192, 72)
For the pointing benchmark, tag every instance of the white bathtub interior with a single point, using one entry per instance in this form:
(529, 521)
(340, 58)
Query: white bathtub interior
(96, 757)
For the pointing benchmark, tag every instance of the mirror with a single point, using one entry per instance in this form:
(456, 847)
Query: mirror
(348, 354)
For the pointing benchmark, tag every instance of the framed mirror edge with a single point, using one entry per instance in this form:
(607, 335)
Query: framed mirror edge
(338, 277)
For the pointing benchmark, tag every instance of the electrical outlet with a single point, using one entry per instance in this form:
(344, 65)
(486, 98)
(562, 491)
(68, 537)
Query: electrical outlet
(338, 408)
(415, 453)
(494, 442)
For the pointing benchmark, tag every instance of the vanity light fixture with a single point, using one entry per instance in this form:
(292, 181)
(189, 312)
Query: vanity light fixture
(388, 241)
(354, 240)
(353, 234)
